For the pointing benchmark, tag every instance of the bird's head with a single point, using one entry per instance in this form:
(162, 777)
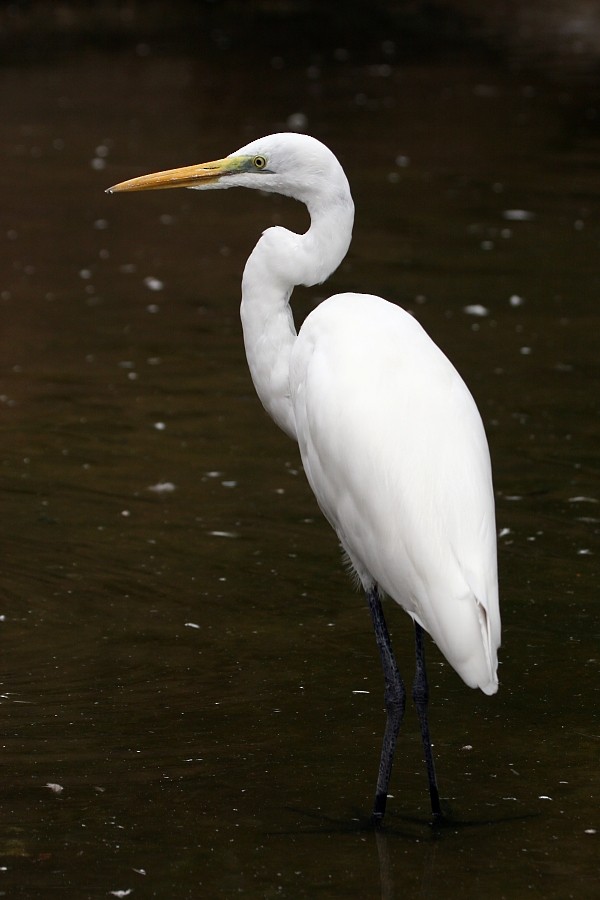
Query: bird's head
(296, 165)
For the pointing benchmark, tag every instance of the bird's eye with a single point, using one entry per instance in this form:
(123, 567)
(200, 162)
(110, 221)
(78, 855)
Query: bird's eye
(259, 162)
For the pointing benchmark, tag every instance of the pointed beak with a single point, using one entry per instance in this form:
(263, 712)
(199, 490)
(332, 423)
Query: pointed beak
(199, 176)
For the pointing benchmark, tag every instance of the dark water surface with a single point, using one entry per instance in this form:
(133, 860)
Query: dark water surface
(191, 696)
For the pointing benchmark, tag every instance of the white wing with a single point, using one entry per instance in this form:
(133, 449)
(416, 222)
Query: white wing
(395, 452)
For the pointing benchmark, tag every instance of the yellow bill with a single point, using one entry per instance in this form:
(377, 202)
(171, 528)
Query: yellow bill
(199, 176)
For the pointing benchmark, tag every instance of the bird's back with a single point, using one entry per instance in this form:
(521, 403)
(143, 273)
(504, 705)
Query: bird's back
(395, 452)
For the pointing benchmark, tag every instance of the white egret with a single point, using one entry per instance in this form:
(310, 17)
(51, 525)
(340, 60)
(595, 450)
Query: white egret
(390, 438)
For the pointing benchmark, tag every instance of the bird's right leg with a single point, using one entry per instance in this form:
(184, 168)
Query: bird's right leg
(421, 700)
(395, 701)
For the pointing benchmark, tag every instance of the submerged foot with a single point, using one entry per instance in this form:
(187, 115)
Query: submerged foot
(378, 810)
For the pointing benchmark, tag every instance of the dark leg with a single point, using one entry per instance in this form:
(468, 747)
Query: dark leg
(421, 697)
(395, 700)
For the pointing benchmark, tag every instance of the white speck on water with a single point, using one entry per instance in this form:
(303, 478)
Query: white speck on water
(98, 163)
(191, 625)
(160, 426)
(544, 797)
(224, 534)
(124, 893)
(590, 831)
(515, 300)
(476, 309)
(153, 284)
(55, 788)
(581, 499)
(162, 487)
(229, 484)
(297, 121)
(518, 215)
(525, 351)
(361, 692)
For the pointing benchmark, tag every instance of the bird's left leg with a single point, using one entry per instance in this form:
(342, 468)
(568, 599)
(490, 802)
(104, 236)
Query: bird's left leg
(395, 701)
(421, 698)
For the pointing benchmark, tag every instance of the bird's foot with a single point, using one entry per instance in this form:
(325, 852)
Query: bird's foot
(441, 818)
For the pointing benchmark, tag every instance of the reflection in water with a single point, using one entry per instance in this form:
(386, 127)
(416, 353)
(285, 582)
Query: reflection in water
(385, 866)
(185, 752)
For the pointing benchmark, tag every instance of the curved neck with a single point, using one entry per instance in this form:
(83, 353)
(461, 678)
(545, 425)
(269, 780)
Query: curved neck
(281, 260)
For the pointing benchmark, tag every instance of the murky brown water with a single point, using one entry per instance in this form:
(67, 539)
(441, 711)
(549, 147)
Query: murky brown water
(182, 653)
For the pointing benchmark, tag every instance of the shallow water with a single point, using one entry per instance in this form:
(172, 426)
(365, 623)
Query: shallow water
(191, 696)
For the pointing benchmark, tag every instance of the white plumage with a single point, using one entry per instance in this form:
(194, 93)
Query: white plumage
(390, 437)
(395, 452)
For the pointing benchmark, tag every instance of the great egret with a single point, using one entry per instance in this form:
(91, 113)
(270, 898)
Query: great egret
(390, 437)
